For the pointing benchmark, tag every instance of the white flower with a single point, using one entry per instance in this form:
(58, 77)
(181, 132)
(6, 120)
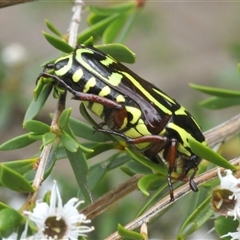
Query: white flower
(226, 198)
(14, 55)
(56, 221)
(233, 235)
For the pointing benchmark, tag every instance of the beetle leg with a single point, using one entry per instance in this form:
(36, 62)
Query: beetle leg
(113, 132)
(83, 96)
(171, 153)
(192, 183)
(96, 99)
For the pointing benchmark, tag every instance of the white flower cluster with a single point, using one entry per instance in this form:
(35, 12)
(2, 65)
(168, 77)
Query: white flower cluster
(56, 221)
(232, 185)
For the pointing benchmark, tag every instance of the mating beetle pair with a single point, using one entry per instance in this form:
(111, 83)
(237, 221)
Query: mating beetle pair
(131, 107)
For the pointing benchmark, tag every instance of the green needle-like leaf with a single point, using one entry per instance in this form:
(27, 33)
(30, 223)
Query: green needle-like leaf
(146, 162)
(96, 29)
(10, 220)
(36, 105)
(69, 143)
(36, 126)
(120, 8)
(64, 118)
(80, 168)
(14, 180)
(85, 131)
(150, 182)
(112, 31)
(219, 92)
(52, 28)
(118, 52)
(48, 138)
(58, 43)
(128, 234)
(17, 142)
(196, 219)
(214, 103)
(224, 225)
(208, 154)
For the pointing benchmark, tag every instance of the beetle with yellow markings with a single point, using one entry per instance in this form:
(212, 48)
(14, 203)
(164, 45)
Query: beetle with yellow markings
(131, 107)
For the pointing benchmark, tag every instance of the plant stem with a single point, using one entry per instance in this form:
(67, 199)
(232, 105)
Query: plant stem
(46, 154)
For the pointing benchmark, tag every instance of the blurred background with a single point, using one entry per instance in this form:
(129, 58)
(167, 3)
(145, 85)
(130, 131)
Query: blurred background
(176, 43)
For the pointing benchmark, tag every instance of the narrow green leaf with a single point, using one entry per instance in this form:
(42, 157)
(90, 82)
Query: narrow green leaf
(10, 220)
(85, 131)
(146, 162)
(52, 28)
(117, 160)
(80, 168)
(96, 29)
(58, 43)
(98, 149)
(36, 126)
(129, 234)
(14, 180)
(112, 30)
(89, 42)
(35, 136)
(93, 18)
(38, 88)
(64, 118)
(48, 138)
(69, 143)
(128, 25)
(150, 182)
(118, 52)
(35, 106)
(208, 154)
(196, 219)
(223, 225)
(214, 103)
(138, 167)
(219, 92)
(86, 115)
(120, 8)
(95, 174)
(22, 167)
(17, 142)
(3, 205)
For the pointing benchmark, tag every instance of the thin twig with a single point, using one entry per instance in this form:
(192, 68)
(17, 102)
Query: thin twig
(214, 136)
(46, 156)
(222, 132)
(164, 203)
(8, 3)
(111, 197)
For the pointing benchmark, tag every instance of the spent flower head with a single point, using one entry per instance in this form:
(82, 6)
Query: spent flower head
(58, 221)
(226, 198)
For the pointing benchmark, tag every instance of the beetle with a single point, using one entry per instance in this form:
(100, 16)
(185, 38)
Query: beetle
(131, 107)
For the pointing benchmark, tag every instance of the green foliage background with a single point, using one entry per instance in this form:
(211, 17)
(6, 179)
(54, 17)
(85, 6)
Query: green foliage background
(175, 43)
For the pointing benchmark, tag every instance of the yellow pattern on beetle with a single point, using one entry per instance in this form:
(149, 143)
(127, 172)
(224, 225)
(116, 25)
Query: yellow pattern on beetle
(105, 91)
(120, 98)
(164, 96)
(135, 112)
(97, 108)
(147, 94)
(142, 128)
(184, 136)
(76, 77)
(107, 61)
(90, 83)
(62, 71)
